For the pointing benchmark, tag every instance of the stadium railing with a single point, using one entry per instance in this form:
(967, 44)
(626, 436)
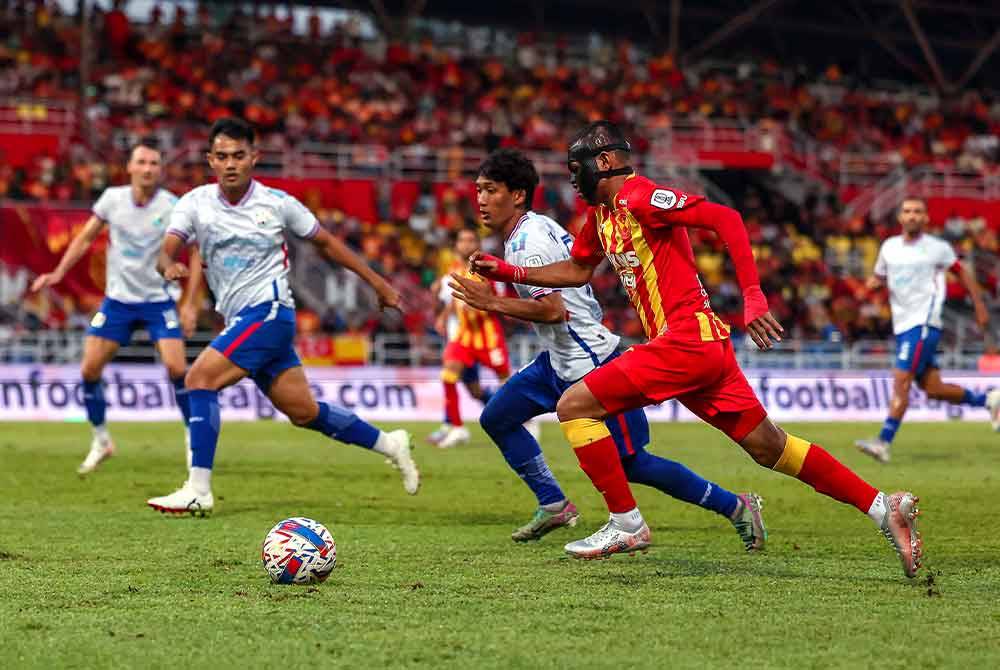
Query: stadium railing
(65, 347)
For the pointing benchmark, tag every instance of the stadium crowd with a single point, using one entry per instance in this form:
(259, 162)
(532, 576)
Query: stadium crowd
(170, 76)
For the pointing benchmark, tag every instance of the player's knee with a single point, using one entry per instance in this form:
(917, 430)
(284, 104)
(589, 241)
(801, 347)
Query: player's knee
(303, 416)
(175, 371)
(197, 380)
(492, 419)
(765, 444)
(570, 407)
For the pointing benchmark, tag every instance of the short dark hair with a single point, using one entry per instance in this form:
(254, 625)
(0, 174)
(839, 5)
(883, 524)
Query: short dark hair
(147, 142)
(513, 169)
(238, 129)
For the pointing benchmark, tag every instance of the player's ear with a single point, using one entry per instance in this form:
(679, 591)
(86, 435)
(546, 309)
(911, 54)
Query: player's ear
(520, 195)
(254, 156)
(604, 161)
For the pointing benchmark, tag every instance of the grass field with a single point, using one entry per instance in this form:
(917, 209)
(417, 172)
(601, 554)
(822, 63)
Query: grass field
(90, 578)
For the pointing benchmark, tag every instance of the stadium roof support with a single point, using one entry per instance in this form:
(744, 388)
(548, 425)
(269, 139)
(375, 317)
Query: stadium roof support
(981, 57)
(885, 43)
(732, 27)
(925, 46)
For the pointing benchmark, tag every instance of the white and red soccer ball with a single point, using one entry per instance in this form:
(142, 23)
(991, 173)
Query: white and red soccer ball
(299, 551)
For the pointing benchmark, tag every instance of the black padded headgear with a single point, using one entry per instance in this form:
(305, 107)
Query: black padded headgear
(598, 137)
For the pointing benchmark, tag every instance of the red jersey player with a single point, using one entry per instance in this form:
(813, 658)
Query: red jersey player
(641, 228)
(478, 338)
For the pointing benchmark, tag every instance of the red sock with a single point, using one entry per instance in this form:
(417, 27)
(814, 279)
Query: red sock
(451, 412)
(601, 463)
(830, 477)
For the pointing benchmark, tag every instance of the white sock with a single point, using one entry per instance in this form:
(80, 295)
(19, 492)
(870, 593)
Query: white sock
(101, 432)
(630, 521)
(384, 445)
(878, 509)
(200, 480)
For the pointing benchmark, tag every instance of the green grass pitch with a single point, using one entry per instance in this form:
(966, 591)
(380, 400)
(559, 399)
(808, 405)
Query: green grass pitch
(91, 578)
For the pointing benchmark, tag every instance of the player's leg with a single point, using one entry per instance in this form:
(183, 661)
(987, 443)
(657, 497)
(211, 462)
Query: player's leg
(211, 372)
(110, 328)
(97, 353)
(894, 514)
(172, 355)
(731, 406)
(288, 389)
(581, 417)
(525, 395)
(631, 432)
(456, 359)
(163, 323)
(914, 350)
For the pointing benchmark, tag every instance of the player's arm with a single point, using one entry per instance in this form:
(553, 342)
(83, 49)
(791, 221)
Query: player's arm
(727, 223)
(77, 248)
(564, 274)
(975, 292)
(194, 293)
(341, 254)
(166, 263)
(545, 309)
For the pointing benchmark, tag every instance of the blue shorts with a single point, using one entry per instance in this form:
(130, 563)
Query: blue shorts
(118, 320)
(261, 340)
(537, 388)
(916, 350)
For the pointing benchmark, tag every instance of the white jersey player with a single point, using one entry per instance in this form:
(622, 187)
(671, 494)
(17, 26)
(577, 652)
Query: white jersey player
(135, 295)
(913, 267)
(568, 321)
(240, 226)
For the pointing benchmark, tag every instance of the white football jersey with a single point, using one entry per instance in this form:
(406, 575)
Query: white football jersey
(243, 245)
(581, 342)
(136, 234)
(915, 275)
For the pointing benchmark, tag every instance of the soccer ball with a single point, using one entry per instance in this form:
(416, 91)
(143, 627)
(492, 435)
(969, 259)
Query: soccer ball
(298, 551)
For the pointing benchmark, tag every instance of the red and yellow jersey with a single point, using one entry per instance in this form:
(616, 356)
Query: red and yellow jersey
(476, 328)
(644, 237)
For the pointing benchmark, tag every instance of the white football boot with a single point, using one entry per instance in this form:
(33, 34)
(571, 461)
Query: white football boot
(438, 433)
(100, 451)
(399, 455)
(456, 435)
(609, 540)
(993, 405)
(875, 448)
(184, 501)
(899, 526)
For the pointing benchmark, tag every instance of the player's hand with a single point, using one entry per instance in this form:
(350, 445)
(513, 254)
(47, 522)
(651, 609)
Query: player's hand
(441, 324)
(175, 271)
(763, 329)
(492, 267)
(982, 316)
(478, 294)
(45, 280)
(873, 283)
(388, 297)
(189, 319)
(760, 323)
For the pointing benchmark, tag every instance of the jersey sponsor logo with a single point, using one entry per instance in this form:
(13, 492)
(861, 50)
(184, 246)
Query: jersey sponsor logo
(623, 264)
(663, 198)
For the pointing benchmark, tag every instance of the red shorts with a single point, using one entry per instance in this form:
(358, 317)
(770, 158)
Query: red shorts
(496, 358)
(702, 376)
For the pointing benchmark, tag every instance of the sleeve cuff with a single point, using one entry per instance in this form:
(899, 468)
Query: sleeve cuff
(312, 231)
(181, 234)
(537, 293)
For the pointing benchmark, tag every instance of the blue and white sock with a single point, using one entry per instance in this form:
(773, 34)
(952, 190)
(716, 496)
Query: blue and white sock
(96, 405)
(204, 426)
(678, 481)
(344, 425)
(181, 396)
(974, 398)
(889, 428)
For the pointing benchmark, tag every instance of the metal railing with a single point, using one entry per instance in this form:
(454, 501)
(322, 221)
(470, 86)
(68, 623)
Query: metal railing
(65, 347)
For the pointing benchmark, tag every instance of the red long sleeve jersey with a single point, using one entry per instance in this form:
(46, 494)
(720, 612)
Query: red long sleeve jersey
(644, 237)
